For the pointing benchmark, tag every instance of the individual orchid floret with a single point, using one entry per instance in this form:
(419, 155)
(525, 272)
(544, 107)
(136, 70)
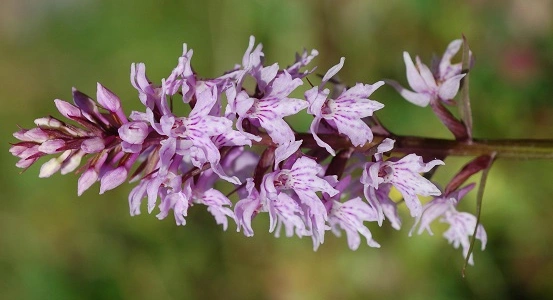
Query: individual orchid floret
(442, 66)
(240, 163)
(384, 206)
(462, 227)
(349, 215)
(440, 84)
(285, 151)
(192, 135)
(403, 174)
(233, 139)
(204, 193)
(53, 165)
(150, 95)
(437, 207)
(149, 187)
(182, 77)
(246, 209)
(282, 208)
(304, 181)
(462, 224)
(133, 135)
(252, 64)
(139, 192)
(176, 197)
(268, 110)
(217, 204)
(252, 61)
(344, 113)
(173, 189)
(302, 60)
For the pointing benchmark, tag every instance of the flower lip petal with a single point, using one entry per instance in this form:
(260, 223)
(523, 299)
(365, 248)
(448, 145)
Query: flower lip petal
(134, 132)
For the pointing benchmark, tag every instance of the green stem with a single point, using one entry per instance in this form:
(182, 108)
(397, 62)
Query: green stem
(504, 148)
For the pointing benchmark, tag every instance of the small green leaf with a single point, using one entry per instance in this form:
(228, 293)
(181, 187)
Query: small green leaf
(464, 108)
(479, 197)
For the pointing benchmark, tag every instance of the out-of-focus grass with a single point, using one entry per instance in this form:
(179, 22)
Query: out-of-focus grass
(54, 245)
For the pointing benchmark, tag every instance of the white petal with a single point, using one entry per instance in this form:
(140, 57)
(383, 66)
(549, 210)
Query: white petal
(450, 87)
(419, 99)
(314, 127)
(333, 71)
(284, 151)
(426, 75)
(357, 131)
(451, 50)
(413, 76)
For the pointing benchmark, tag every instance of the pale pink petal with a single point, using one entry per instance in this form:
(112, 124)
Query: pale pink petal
(419, 99)
(350, 216)
(205, 101)
(314, 127)
(67, 109)
(87, 179)
(451, 50)
(72, 162)
(216, 204)
(282, 86)
(333, 71)
(284, 151)
(93, 145)
(450, 87)
(113, 179)
(266, 75)
(246, 208)
(278, 130)
(316, 99)
(413, 76)
(51, 146)
(357, 131)
(361, 90)
(372, 199)
(107, 99)
(426, 75)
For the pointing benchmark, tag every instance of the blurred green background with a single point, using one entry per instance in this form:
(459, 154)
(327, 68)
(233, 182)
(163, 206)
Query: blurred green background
(54, 245)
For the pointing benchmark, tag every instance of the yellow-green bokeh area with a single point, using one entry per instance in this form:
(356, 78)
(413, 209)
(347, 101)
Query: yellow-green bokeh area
(55, 245)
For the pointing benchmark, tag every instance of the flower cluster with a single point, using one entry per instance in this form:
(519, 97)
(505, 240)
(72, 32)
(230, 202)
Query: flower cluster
(235, 133)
